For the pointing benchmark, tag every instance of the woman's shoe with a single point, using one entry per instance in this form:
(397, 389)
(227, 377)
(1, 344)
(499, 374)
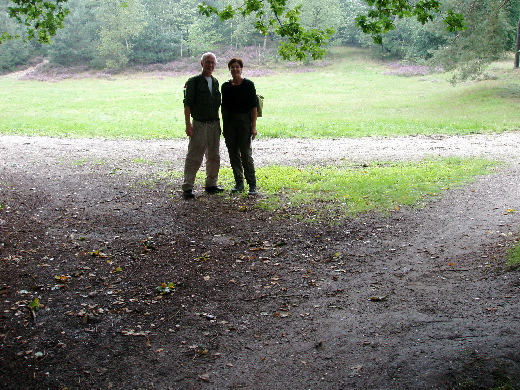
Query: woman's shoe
(239, 187)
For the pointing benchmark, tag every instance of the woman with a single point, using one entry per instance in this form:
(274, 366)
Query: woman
(239, 113)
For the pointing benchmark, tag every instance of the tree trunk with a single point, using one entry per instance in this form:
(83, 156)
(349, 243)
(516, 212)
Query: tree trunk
(182, 46)
(517, 54)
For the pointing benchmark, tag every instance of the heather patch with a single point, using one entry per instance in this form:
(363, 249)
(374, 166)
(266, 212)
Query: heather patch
(46, 72)
(409, 70)
(257, 62)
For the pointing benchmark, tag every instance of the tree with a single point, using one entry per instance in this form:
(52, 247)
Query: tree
(15, 52)
(120, 20)
(489, 35)
(381, 18)
(276, 16)
(77, 42)
(321, 13)
(41, 18)
(162, 40)
(202, 35)
(517, 51)
(280, 17)
(300, 42)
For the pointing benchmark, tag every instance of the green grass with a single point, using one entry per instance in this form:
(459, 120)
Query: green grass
(351, 97)
(348, 190)
(513, 258)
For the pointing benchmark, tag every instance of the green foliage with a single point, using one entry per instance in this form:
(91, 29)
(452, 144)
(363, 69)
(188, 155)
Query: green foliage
(35, 304)
(76, 43)
(120, 20)
(122, 33)
(42, 18)
(164, 37)
(15, 53)
(202, 35)
(298, 42)
(380, 19)
(487, 38)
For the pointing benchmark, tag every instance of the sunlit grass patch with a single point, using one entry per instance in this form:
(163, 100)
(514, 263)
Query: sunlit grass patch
(350, 189)
(513, 256)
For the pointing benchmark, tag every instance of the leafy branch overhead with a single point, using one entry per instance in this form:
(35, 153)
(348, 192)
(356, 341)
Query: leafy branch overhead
(276, 16)
(42, 18)
(381, 18)
(299, 42)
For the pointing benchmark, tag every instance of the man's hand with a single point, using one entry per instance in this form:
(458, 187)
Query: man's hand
(189, 130)
(187, 120)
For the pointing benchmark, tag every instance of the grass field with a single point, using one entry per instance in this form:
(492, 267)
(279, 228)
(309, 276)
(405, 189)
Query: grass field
(352, 96)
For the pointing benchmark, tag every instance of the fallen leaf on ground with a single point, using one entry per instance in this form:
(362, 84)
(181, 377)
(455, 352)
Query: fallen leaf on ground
(380, 298)
(132, 332)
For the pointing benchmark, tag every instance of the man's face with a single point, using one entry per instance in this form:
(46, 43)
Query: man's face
(208, 65)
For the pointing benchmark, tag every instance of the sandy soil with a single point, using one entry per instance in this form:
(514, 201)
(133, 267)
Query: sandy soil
(420, 299)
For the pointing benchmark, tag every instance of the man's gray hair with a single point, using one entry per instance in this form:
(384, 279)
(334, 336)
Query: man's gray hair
(207, 54)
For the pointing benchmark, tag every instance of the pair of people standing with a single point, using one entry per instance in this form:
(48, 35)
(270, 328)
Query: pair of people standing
(202, 100)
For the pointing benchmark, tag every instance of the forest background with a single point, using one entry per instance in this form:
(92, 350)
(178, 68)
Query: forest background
(117, 35)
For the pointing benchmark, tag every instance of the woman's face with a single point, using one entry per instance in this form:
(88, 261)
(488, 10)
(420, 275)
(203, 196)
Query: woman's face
(235, 69)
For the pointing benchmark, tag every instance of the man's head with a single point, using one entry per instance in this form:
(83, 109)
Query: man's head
(208, 62)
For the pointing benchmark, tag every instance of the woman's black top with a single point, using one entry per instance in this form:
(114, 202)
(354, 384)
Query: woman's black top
(239, 98)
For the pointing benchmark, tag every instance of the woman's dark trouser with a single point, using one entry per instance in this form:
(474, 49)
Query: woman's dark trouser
(237, 134)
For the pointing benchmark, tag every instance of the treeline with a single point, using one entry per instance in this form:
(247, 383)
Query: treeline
(117, 34)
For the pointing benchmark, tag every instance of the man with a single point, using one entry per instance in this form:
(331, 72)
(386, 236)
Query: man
(201, 103)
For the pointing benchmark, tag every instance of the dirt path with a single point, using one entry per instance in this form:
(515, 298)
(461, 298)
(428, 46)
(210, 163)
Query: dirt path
(416, 300)
(268, 151)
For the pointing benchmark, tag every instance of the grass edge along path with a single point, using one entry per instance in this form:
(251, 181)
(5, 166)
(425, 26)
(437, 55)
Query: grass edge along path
(513, 255)
(332, 193)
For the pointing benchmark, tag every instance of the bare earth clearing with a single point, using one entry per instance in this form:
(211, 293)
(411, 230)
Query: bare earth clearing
(420, 299)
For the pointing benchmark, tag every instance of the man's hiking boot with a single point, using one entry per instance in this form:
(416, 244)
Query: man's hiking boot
(188, 194)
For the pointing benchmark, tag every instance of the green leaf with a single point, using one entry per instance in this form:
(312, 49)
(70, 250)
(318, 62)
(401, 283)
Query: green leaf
(35, 304)
(165, 288)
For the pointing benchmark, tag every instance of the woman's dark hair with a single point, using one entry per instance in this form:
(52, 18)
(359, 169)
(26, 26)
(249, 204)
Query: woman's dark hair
(233, 60)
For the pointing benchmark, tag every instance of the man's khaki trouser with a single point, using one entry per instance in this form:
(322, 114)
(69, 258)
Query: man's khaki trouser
(204, 142)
